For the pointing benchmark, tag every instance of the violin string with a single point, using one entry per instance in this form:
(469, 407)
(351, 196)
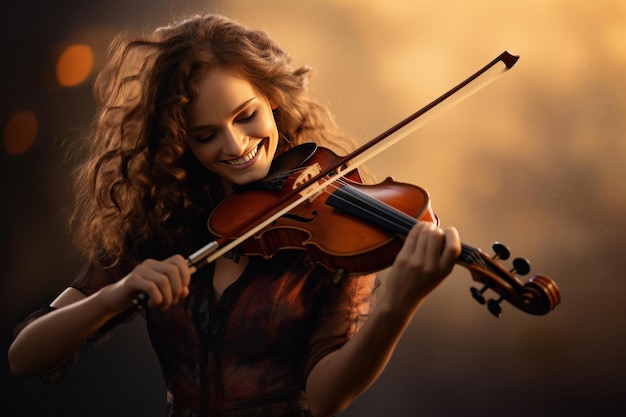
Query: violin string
(397, 218)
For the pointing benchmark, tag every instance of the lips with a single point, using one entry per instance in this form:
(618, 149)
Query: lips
(245, 159)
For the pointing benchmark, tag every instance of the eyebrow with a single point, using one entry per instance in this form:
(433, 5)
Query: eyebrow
(235, 111)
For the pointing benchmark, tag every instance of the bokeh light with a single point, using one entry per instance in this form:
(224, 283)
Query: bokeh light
(74, 65)
(20, 132)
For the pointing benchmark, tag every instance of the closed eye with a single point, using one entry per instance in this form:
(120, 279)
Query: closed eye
(246, 118)
(206, 138)
(243, 119)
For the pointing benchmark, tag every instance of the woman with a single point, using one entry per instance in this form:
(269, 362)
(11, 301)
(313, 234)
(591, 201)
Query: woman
(186, 114)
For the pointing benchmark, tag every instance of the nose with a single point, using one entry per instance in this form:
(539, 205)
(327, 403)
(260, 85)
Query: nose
(235, 141)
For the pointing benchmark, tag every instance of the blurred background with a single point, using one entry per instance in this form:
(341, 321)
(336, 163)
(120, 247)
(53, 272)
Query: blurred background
(536, 160)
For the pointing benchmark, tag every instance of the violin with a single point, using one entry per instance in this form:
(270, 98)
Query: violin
(315, 200)
(360, 228)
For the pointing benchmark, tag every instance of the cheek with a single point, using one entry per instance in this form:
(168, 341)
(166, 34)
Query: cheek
(267, 124)
(203, 153)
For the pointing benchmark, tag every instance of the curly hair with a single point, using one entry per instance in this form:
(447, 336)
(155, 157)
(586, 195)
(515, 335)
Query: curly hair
(141, 193)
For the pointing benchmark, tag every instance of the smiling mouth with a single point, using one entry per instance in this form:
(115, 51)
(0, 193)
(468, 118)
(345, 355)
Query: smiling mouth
(247, 157)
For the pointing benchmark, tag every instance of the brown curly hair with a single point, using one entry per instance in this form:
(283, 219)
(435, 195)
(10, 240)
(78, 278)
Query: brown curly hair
(141, 193)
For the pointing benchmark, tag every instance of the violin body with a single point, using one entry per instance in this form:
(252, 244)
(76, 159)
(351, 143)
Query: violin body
(334, 238)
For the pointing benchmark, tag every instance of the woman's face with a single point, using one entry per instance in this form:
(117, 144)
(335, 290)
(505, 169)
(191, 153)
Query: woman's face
(231, 128)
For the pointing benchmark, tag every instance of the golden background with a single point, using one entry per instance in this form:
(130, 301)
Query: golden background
(535, 160)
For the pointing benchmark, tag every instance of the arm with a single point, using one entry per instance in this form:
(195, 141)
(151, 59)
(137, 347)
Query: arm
(427, 256)
(53, 338)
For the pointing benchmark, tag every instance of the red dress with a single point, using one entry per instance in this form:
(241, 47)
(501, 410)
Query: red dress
(250, 354)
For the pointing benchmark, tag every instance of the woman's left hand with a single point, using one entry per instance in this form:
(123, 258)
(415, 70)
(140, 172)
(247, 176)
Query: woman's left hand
(426, 258)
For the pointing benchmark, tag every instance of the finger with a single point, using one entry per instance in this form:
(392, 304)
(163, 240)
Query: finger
(433, 243)
(177, 275)
(411, 241)
(420, 253)
(159, 274)
(185, 273)
(181, 279)
(452, 248)
(140, 280)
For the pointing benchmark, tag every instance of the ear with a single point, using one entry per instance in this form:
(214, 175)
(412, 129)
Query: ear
(273, 105)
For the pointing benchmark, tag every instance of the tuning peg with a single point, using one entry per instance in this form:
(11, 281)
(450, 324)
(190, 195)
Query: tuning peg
(478, 294)
(521, 266)
(501, 251)
(494, 306)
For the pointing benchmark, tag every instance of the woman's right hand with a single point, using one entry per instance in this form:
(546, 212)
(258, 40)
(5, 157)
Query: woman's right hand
(165, 283)
(51, 339)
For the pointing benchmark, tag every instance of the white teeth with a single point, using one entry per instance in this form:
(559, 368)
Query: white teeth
(244, 158)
